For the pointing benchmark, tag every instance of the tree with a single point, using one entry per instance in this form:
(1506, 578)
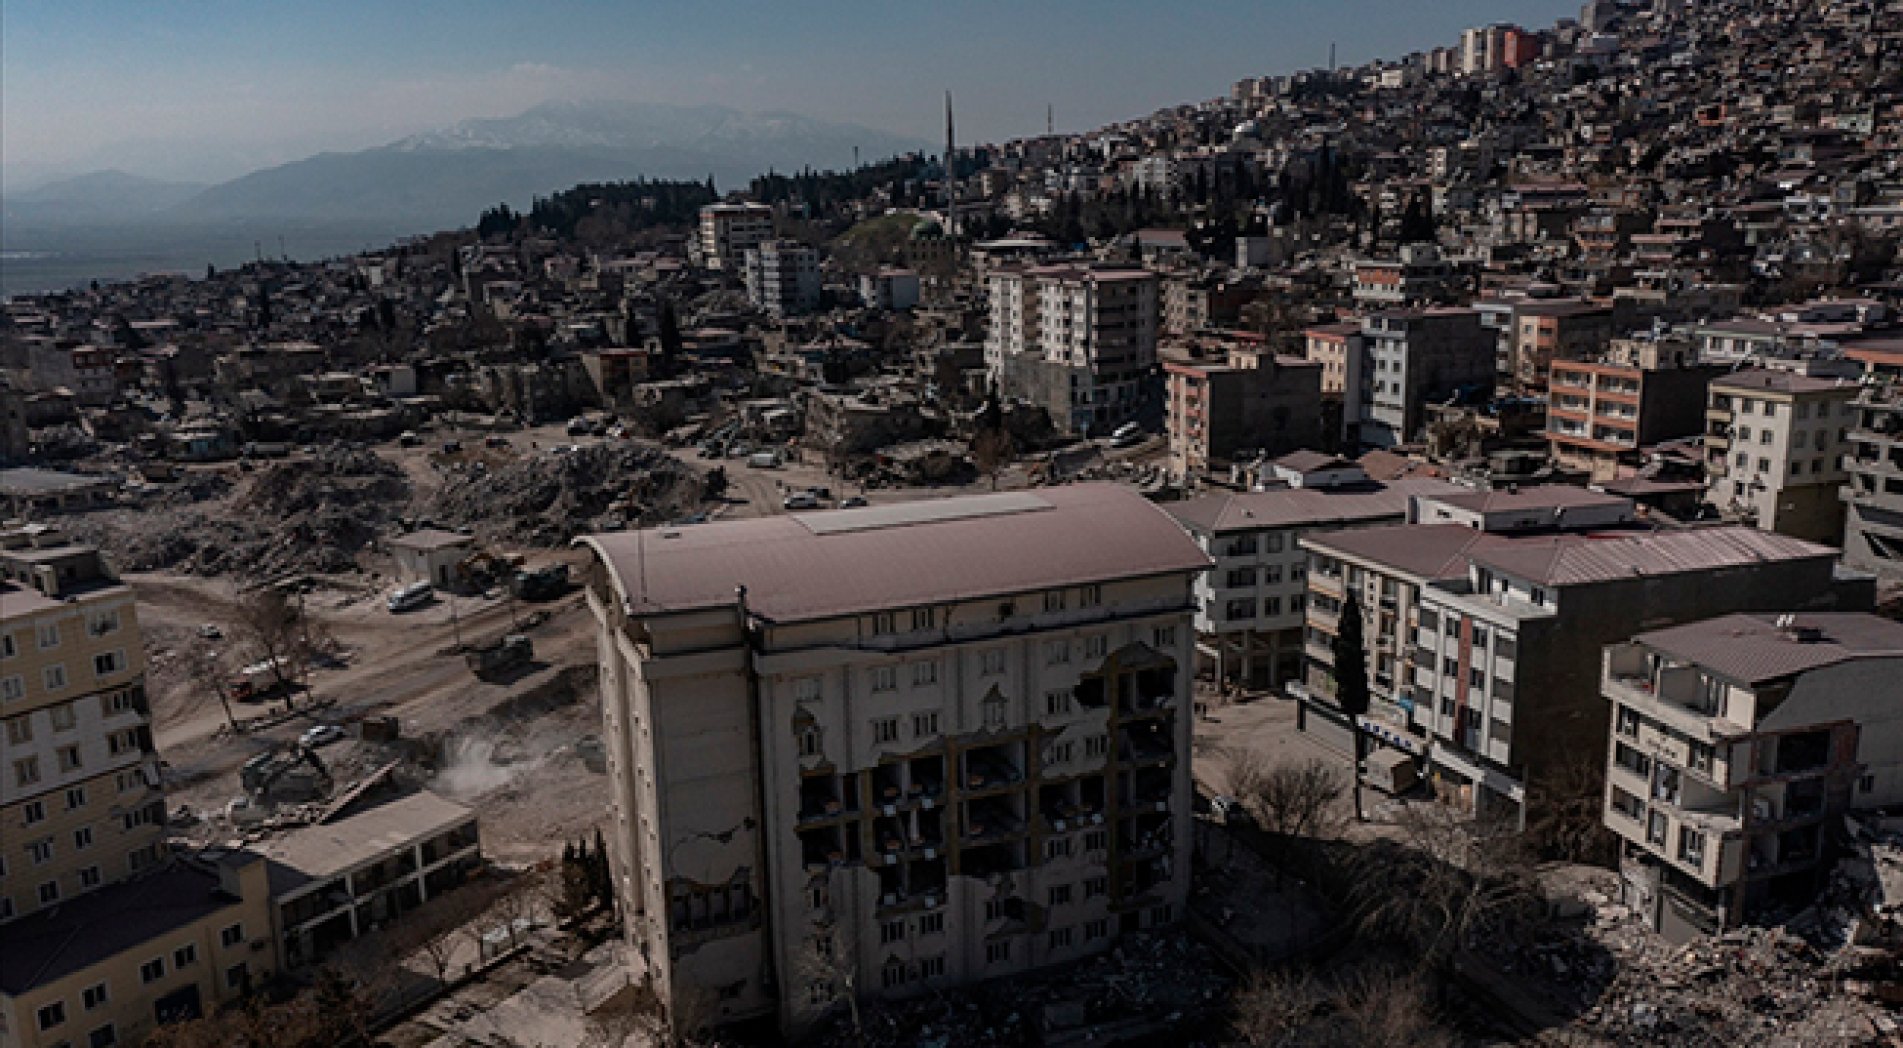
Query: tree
(267, 620)
(826, 966)
(670, 338)
(1351, 683)
(1294, 800)
(991, 451)
(1567, 806)
(205, 670)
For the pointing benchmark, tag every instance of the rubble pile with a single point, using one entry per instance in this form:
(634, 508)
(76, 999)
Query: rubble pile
(1769, 987)
(304, 517)
(548, 498)
(1146, 985)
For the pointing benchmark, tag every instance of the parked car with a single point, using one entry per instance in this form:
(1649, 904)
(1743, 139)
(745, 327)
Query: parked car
(764, 460)
(321, 735)
(853, 502)
(495, 442)
(801, 500)
(410, 440)
(210, 631)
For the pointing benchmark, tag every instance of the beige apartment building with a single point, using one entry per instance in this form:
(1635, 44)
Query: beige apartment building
(898, 747)
(726, 232)
(105, 933)
(1736, 746)
(1774, 448)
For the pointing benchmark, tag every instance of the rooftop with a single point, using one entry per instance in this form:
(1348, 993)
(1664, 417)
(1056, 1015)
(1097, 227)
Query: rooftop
(1301, 507)
(31, 480)
(53, 943)
(1766, 380)
(1753, 649)
(430, 539)
(1425, 551)
(318, 852)
(1579, 559)
(1537, 496)
(842, 562)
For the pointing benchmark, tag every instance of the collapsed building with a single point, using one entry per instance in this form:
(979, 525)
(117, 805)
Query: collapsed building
(881, 751)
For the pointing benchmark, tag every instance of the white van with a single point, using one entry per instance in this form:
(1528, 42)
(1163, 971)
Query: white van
(764, 460)
(410, 597)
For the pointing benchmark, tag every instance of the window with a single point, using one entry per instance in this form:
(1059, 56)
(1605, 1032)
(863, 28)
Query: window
(1096, 887)
(94, 996)
(107, 663)
(1097, 746)
(1163, 637)
(1271, 607)
(33, 811)
(1054, 600)
(994, 909)
(7, 648)
(924, 724)
(885, 729)
(891, 932)
(68, 760)
(1271, 574)
(1655, 829)
(238, 976)
(12, 688)
(54, 677)
(1701, 755)
(1097, 929)
(1161, 915)
(82, 838)
(1539, 596)
(924, 673)
(1056, 703)
(923, 618)
(89, 877)
(893, 974)
(1060, 753)
(63, 718)
(994, 713)
(231, 935)
(885, 678)
(1056, 848)
(103, 623)
(1239, 577)
(1476, 678)
(152, 970)
(26, 771)
(1628, 722)
(185, 956)
(1691, 846)
(19, 731)
(997, 952)
(1096, 647)
(1240, 608)
(885, 622)
(41, 851)
(1057, 652)
(809, 741)
(806, 689)
(1480, 638)
(991, 663)
(123, 701)
(1060, 938)
(49, 636)
(931, 924)
(52, 1015)
(931, 967)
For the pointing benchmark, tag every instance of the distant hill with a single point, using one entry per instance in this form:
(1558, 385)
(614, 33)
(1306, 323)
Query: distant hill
(445, 178)
(98, 197)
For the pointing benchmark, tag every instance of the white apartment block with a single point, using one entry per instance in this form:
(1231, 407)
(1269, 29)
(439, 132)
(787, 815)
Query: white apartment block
(1251, 606)
(1079, 340)
(728, 230)
(919, 745)
(1736, 746)
(782, 277)
(1774, 447)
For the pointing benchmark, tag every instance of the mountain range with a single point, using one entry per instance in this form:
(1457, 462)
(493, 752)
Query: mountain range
(445, 178)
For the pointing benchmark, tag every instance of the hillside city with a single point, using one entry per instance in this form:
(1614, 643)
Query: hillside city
(1398, 554)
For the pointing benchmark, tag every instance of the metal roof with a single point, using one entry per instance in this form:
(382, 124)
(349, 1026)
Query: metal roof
(1751, 649)
(1573, 560)
(844, 562)
(1302, 507)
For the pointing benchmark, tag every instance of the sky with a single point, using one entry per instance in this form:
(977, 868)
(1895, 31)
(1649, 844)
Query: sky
(209, 89)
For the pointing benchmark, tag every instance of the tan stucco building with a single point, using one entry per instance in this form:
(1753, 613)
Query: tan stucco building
(896, 747)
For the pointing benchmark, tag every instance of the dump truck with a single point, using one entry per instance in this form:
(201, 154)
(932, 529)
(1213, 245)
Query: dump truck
(544, 583)
(261, 680)
(500, 657)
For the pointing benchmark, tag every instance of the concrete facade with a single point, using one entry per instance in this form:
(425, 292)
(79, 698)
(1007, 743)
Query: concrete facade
(1774, 450)
(896, 794)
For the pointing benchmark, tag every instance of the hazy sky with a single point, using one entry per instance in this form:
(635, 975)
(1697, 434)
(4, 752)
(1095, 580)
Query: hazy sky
(210, 88)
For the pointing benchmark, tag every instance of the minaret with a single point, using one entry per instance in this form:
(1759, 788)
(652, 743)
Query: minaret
(951, 209)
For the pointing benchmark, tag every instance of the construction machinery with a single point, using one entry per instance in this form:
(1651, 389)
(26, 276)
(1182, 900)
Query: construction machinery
(288, 772)
(501, 656)
(545, 583)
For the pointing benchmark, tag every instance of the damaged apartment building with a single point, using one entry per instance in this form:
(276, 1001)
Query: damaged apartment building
(892, 749)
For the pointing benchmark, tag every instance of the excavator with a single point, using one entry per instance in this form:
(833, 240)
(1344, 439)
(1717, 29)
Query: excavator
(287, 772)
